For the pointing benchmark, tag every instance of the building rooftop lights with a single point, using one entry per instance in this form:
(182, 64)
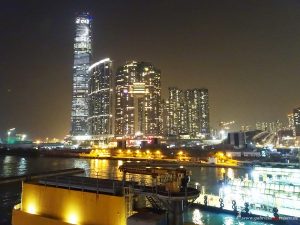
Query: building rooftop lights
(98, 63)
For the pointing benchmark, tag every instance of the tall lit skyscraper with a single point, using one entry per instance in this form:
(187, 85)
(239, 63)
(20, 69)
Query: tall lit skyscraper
(82, 60)
(197, 112)
(138, 99)
(296, 113)
(100, 120)
(188, 112)
(204, 111)
(175, 121)
(291, 123)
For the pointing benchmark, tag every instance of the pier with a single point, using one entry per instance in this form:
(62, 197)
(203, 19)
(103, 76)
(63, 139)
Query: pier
(167, 194)
(34, 176)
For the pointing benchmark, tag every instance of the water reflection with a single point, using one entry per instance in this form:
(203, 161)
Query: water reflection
(229, 221)
(208, 177)
(230, 173)
(22, 165)
(200, 217)
(197, 216)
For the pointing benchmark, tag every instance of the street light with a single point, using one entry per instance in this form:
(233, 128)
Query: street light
(9, 132)
(23, 137)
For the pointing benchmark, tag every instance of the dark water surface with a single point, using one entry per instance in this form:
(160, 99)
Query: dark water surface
(12, 166)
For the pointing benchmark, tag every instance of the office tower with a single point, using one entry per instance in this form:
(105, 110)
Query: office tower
(82, 59)
(100, 119)
(138, 99)
(188, 112)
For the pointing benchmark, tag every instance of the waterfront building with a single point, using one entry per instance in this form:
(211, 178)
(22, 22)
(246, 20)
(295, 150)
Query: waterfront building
(188, 112)
(100, 119)
(242, 139)
(82, 60)
(138, 100)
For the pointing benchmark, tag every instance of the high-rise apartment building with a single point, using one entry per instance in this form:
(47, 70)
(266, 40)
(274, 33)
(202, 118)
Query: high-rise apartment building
(138, 99)
(101, 101)
(296, 113)
(188, 112)
(291, 123)
(174, 122)
(82, 60)
(202, 102)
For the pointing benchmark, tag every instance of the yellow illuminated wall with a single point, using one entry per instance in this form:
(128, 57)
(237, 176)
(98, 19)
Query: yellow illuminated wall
(73, 207)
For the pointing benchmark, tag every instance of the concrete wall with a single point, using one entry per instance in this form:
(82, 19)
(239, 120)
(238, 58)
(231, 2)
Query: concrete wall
(22, 218)
(70, 206)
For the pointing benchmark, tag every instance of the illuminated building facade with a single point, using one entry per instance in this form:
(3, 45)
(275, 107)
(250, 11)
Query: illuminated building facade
(296, 113)
(82, 59)
(188, 112)
(100, 120)
(175, 123)
(273, 127)
(291, 123)
(197, 112)
(138, 99)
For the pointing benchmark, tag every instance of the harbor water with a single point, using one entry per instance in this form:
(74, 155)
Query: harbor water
(204, 177)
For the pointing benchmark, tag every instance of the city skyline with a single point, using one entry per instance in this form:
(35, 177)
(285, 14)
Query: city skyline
(246, 82)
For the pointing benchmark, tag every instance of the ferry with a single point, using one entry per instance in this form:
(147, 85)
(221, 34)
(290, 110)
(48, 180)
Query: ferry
(267, 191)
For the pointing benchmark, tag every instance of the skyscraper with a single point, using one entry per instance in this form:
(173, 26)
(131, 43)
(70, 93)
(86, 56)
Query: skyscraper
(82, 60)
(197, 111)
(291, 123)
(296, 113)
(138, 99)
(204, 111)
(100, 120)
(175, 123)
(188, 112)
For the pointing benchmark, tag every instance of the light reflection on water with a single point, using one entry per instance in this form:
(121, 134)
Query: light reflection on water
(199, 217)
(208, 177)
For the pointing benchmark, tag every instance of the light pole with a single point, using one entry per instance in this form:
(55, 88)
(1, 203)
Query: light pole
(9, 132)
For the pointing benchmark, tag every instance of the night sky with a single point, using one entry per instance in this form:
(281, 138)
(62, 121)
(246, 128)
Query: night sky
(246, 52)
